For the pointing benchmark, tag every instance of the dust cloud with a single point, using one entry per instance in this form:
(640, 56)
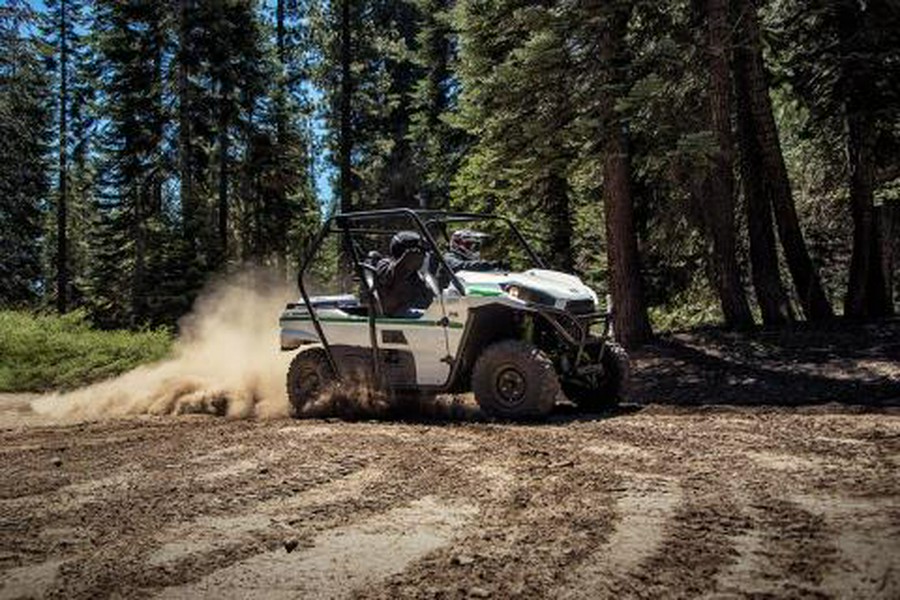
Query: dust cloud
(226, 362)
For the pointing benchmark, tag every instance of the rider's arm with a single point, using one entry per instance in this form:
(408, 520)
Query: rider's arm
(456, 263)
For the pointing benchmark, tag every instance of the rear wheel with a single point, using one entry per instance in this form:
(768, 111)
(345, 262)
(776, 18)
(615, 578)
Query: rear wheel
(308, 378)
(608, 387)
(514, 380)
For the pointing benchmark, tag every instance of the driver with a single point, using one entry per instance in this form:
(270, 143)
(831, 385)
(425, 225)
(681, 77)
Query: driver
(400, 286)
(465, 252)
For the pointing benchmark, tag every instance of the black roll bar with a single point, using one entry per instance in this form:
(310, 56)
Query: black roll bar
(343, 222)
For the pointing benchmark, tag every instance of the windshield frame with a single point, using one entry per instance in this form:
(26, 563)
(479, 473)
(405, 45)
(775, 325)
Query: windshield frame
(346, 224)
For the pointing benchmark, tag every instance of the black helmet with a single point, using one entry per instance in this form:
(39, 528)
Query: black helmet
(403, 241)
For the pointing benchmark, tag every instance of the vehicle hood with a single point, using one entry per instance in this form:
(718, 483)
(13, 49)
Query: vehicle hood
(561, 286)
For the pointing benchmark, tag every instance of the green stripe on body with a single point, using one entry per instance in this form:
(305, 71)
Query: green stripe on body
(485, 292)
(380, 321)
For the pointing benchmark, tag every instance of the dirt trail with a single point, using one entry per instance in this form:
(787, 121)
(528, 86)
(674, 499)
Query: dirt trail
(714, 502)
(697, 500)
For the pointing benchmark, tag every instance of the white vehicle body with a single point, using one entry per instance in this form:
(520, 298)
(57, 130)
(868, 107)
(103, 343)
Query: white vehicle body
(518, 339)
(433, 335)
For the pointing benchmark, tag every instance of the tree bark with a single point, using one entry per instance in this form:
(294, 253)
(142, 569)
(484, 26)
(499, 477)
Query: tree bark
(775, 182)
(867, 290)
(631, 323)
(224, 141)
(139, 274)
(720, 210)
(889, 216)
(630, 320)
(185, 162)
(770, 293)
(282, 212)
(346, 132)
(557, 195)
(867, 295)
(62, 242)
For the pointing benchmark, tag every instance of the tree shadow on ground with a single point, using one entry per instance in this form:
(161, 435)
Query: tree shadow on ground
(843, 363)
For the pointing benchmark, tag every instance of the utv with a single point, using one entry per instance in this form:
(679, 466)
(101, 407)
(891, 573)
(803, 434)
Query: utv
(519, 338)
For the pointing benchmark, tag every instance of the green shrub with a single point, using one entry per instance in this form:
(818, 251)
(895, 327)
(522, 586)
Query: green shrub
(694, 307)
(41, 352)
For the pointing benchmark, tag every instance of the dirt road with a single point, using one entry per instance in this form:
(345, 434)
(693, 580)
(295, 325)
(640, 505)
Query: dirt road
(644, 503)
(755, 499)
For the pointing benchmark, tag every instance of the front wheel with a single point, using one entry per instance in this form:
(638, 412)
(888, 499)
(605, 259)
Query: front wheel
(514, 380)
(607, 388)
(308, 378)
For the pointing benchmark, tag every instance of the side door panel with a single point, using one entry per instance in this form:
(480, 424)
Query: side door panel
(424, 339)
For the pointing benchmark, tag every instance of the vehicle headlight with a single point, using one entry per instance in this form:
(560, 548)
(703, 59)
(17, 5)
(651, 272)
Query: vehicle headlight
(529, 295)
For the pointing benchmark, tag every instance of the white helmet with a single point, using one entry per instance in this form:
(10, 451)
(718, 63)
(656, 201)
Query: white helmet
(467, 243)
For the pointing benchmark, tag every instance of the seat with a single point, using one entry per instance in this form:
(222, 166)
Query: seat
(370, 272)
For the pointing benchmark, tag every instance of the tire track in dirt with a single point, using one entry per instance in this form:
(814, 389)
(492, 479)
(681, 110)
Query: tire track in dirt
(69, 497)
(30, 581)
(867, 564)
(769, 502)
(796, 543)
(340, 560)
(211, 534)
(377, 545)
(644, 508)
(543, 504)
(784, 552)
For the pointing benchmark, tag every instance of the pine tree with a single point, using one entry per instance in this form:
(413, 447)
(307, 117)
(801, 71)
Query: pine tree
(751, 70)
(24, 138)
(840, 59)
(293, 196)
(721, 206)
(367, 74)
(129, 188)
(438, 146)
(62, 27)
(632, 324)
(521, 158)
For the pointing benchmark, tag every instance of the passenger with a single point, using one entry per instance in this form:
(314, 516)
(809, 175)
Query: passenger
(465, 253)
(398, 281)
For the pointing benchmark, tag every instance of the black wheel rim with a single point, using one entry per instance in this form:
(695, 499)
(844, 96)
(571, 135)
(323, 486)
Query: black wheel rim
(510, 386)
(307, 386)
(312, 384)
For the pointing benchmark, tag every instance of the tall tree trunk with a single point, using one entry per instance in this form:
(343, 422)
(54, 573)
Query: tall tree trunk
(139, 274)
(62, 242)
(770, 293)
(889, 216)
(775, 180)
(346, 132)
(280, 41)
(282, 214)
(630, 320)
(185, 162)
(224, 140)
(720, 211)
(557, 197)
(867, 291)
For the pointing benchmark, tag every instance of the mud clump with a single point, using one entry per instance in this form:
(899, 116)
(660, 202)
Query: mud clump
(356, 400)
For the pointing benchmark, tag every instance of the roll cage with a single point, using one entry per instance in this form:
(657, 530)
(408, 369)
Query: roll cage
(572, 329)
(348, 224)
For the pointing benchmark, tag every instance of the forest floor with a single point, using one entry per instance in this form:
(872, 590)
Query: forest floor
(761, 466)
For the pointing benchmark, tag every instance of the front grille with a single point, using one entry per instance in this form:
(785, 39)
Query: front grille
(580, 307)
